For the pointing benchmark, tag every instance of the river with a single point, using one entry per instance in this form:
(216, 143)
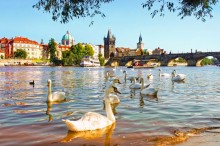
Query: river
(26, 118)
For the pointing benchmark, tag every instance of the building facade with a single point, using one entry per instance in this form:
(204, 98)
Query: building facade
(109, 45)
(9, 46)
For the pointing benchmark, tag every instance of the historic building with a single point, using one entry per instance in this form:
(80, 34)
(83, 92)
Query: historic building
(5, 47)
(32, 48)
(158, 51)
(109, 45)
(140, 46)
(122, 51)
(67, 39)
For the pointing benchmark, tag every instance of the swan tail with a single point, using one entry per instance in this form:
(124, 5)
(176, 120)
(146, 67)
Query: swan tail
(70, 125)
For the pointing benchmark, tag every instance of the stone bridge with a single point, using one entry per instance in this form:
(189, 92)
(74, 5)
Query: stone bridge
(192, 59)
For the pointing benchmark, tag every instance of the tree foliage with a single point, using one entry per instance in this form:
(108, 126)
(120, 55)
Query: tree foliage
(76, 53)
(65, 10)
(206, 61)
(101, 59)
(199, 8)
(69, 9)
(52, 50)
(20, 53)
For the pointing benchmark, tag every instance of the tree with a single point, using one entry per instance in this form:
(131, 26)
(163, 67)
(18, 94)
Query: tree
(101, 59)
(206, 61)
(199, 8)
(76, 53)
(52, 50)
(69, 9)
(89, 50)
(20, 53)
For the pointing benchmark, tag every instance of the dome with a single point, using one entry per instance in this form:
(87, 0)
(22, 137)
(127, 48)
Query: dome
(67, 39)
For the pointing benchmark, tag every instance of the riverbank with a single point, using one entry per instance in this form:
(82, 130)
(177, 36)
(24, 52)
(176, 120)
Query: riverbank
(206, 139)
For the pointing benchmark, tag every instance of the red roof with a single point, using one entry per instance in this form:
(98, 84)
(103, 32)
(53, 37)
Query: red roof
(24, 40)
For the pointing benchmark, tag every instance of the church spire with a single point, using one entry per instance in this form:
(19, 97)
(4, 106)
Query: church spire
(140, 38)
(109, 35)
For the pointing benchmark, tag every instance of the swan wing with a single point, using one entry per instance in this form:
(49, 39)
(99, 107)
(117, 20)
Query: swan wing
(93, 121)
(90, 121)
(58, 96)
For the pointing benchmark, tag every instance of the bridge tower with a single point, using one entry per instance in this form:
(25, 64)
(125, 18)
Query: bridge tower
(109, 45)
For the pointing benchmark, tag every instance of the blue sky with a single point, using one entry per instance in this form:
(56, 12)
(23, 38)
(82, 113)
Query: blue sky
(126, 19)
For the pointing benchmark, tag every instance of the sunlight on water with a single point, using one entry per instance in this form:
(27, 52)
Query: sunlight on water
(190, 104)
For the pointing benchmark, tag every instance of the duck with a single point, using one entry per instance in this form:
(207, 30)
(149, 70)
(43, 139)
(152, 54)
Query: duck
(93, 120)
(55, 96)
(163, 74)
(140, 85)
(177, 77)
(32, 83)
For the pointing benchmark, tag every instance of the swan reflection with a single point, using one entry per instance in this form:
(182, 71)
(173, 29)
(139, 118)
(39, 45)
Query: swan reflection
(91, 134)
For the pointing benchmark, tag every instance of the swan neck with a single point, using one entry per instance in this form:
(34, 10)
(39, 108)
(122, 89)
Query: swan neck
(142, 83)
(108, 108)
(49, 97)
(125, 76)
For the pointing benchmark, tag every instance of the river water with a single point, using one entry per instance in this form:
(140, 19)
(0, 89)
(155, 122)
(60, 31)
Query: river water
(26, 118)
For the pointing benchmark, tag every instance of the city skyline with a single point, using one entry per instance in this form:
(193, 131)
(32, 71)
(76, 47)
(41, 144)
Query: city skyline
(126, 23)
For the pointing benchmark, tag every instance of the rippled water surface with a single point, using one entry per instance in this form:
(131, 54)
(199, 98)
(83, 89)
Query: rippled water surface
(25, 116)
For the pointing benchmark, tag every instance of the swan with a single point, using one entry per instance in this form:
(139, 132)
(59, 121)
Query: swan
(114, 99)
(177, 77)
(92, 120)
(110, 77)
(149, 91)
(149, 75)
(55, 96)
(130, 78)
(163, 74)
(140, 85)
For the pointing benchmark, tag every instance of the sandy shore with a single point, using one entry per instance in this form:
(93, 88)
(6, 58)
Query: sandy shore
(206, 139)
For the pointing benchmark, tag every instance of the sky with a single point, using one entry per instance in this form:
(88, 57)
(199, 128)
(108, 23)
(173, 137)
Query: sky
(126, 19)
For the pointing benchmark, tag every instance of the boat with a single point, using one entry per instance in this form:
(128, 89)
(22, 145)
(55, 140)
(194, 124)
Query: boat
(138, 64)
(88, 61)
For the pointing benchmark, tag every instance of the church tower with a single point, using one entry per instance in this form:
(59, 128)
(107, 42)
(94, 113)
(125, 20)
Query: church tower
(140, 44)
(109, 45)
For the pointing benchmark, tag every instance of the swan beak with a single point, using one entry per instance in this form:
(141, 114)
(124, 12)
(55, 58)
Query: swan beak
(116, 90)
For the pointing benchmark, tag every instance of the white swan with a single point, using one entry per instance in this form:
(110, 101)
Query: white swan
(178, 77)
(149, 75)
(140, 85)
(110, 77)
(92, 120)
(130, 78)
(163, 74)
(114, 99)
(149, 91)
(55, 96)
